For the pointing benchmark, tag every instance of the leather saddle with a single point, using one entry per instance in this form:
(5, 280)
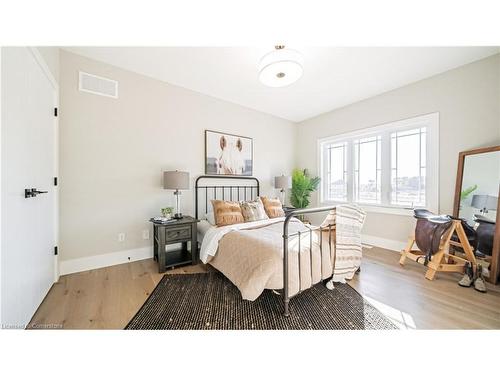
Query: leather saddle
(429, 231)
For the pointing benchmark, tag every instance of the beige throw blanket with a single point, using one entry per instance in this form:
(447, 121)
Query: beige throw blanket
(349, 220)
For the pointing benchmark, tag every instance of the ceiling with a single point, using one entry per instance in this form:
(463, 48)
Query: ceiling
(333, 76)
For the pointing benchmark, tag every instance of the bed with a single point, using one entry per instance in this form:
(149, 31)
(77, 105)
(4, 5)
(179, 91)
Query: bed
(280, 254)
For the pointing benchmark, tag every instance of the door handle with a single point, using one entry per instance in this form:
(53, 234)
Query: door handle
(33, 192)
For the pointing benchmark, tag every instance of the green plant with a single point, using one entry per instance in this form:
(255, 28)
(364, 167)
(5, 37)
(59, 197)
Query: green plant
(302, 187)
(465, 193)
(167, 211)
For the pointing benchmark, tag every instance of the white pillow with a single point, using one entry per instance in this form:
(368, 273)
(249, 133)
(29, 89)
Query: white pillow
(210, 217)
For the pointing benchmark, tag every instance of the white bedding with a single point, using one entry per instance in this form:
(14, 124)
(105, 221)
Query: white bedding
(213, 234)
(203, 227)
(250, 255)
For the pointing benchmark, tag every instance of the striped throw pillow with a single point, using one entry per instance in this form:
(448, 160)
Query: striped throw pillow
(273, 207)
(253, 210)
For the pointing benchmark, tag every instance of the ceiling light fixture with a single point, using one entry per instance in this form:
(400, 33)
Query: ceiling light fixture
(281, 67)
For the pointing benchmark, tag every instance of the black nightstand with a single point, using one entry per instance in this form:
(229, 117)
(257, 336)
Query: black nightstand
(179, 231)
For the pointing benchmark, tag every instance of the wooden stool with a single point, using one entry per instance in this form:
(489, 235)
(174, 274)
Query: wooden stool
(443, 261)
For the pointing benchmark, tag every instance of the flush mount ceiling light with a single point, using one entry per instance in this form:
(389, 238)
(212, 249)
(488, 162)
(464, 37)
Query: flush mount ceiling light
(281, 67)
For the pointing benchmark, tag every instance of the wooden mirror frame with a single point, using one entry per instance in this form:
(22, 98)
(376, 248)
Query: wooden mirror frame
(495, 253)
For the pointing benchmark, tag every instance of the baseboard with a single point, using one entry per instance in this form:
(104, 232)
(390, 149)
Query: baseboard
(105, 260)
(119, 257)
(383, 242)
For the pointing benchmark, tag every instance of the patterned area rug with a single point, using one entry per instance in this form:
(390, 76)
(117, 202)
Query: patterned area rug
(210, 301)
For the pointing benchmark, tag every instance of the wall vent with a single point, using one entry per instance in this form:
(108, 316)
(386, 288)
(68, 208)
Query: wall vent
(97, 85)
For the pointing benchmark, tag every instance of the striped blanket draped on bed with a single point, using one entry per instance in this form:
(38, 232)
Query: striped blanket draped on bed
(349, 220)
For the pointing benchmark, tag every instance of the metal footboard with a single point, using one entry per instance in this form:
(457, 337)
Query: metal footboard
(287, 236)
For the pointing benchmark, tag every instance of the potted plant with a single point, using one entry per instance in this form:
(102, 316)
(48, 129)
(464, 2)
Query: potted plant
(302, 187)
(167, 212)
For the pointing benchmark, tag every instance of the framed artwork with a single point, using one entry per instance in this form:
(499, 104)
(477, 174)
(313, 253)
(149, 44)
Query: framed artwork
(228, 154)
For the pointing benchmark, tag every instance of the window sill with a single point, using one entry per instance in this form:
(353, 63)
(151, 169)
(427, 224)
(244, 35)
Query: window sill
(400, 211)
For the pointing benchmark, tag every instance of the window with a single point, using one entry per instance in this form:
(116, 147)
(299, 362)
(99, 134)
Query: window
(335, 177)
(367, 170)
(385, 167)
(408, 167)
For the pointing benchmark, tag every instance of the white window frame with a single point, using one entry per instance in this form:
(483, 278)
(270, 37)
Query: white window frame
(429, 121)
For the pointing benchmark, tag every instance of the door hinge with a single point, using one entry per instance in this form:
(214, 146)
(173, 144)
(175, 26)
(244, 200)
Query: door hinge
(55, 181)
(55, 112)
(55, 250)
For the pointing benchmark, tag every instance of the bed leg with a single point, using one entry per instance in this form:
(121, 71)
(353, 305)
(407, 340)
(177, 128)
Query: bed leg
(286, 296)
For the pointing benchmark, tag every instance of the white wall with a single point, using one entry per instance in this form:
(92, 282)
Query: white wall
(51, 57)
(468, 101)
(113, 152)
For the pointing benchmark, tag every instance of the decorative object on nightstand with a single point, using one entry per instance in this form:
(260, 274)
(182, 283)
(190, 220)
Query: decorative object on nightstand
(176, 180)
(167, 212)
(179, 231)
(283, 183)
(161, 220)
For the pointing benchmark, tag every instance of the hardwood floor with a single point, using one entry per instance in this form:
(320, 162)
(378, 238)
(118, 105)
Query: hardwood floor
(402, 293)
(108, 298)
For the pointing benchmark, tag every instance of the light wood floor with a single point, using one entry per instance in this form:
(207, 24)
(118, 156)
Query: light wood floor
(108, 298)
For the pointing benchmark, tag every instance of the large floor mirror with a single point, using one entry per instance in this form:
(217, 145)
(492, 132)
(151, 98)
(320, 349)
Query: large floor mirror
(476, 200)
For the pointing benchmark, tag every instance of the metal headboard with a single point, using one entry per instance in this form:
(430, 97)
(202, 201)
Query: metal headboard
(233, 190)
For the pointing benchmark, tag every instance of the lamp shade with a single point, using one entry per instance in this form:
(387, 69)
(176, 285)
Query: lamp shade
(488, 202)
(175, 180)
(282, 182)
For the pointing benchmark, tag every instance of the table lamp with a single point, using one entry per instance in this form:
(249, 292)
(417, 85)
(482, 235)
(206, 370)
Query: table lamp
(176, 180)
(484, 202)
(283, 182)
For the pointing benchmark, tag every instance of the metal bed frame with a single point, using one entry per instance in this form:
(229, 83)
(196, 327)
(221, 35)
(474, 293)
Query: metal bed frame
(234, 191)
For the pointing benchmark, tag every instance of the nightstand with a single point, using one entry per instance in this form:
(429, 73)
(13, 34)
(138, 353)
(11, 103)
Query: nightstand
(179, 231)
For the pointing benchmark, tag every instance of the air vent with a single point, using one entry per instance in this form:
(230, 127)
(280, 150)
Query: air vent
(98, 85)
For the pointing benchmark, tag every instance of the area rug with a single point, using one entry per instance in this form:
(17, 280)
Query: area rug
(211, 301)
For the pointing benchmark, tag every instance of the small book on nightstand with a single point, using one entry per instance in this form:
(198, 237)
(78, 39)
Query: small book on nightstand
(162, 220)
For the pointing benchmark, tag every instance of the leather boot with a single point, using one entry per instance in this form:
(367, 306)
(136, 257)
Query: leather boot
(468, 277)
(479, 284)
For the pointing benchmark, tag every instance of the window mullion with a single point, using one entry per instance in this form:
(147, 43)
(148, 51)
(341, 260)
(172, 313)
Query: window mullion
(420, 165)
(350, 171)
(329, 174)
(325, 170)
(385, 173)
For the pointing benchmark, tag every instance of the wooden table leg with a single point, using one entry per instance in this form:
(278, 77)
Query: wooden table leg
(155, 243)
(161, 249)
(194, 245)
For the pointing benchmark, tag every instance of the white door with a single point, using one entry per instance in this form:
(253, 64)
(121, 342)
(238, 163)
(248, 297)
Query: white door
(28, 146)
